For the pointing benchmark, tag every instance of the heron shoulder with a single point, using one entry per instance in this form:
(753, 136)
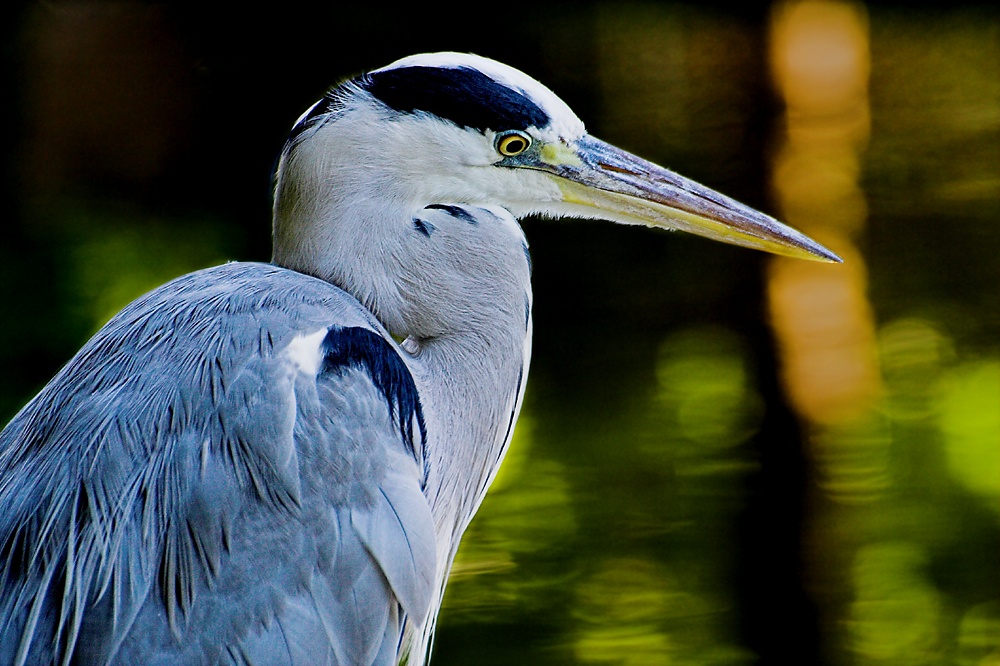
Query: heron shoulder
(174, 452)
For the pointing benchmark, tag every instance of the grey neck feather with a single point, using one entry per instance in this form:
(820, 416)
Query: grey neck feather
(460, 294)
(471, 383)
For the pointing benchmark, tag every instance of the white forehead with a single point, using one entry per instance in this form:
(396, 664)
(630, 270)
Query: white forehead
(565, 123)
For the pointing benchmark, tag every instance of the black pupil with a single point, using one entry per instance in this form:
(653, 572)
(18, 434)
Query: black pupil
(514, 145)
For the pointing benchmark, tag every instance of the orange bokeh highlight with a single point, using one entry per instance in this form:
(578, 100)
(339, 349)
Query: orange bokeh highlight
(820, 313)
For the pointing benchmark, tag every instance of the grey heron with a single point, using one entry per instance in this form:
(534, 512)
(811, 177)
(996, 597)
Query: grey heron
(244, 465)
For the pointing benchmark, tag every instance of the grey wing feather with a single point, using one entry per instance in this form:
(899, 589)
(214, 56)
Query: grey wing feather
(184, 492)
(399, 533)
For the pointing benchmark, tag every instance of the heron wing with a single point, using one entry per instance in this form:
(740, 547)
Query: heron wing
(230, 470)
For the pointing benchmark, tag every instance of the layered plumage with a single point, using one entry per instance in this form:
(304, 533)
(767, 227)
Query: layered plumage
(243, 466)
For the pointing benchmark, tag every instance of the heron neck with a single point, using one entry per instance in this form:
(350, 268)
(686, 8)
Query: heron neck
(471, 383)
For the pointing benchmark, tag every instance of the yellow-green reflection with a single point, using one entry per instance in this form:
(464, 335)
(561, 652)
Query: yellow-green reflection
(636, 612)
(970, 421)
(979, 636)
(117, 258)
(854, 459)
(895, 616)
(670, 609)
(704, 390)
(914, 354)
(528, 512)
(961, 403)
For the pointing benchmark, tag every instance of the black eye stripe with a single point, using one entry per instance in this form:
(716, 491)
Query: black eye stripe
(463, 95)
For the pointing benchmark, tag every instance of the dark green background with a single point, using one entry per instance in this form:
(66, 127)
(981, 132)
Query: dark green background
(665, 501)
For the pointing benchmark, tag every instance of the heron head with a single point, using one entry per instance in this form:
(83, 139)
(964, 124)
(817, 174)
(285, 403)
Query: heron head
(458, 128)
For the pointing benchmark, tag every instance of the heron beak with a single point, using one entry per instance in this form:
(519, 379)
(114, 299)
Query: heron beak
(598, 179)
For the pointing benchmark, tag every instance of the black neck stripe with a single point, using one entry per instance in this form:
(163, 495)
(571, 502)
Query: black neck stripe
(463, 95)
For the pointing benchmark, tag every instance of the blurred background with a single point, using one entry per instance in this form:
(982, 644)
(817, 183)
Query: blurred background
(723, 458)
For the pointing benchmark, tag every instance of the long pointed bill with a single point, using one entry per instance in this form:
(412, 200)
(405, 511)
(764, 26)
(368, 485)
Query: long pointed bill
(629, 189)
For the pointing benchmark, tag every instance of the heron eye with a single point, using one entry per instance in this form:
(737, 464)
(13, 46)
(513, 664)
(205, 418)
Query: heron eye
(512, 143)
